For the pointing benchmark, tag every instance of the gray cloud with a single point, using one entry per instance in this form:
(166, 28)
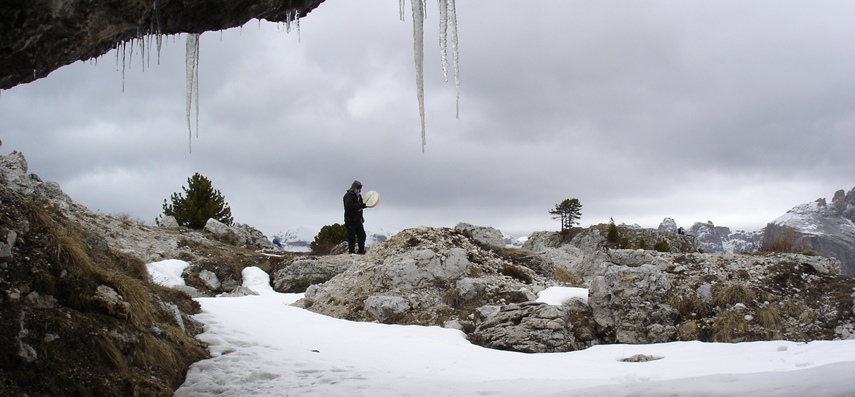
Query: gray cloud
(726, 111)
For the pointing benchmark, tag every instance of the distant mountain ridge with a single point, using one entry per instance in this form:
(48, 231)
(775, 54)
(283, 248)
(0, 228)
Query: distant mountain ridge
(298, 239)
(828, 229)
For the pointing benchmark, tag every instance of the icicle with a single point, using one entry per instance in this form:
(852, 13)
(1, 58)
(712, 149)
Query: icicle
(401, 4)
(452, 24)
(192, 63)
(124, 46)
(443, 35)
(418, 49)
(142, 42)
(158, 36)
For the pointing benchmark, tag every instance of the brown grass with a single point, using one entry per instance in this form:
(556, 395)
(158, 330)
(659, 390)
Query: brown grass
(567, 277)
(770, 317)
(730, 326)
(690, 305)
(731, 295)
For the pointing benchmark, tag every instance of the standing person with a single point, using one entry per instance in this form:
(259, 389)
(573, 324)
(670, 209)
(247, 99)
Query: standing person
(353, 219)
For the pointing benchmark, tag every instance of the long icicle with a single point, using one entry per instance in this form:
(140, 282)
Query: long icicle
(192, 64)
(452, 23)
(418, 50)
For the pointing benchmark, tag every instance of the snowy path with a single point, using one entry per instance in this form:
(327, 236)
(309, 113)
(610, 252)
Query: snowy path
(261, 346)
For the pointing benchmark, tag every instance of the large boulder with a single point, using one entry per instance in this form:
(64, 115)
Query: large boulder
(630, 303)
(529, 327)
(484, 234)
(302, 273)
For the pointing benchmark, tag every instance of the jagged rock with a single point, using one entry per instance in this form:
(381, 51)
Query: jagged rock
(251, 237)
(630, 303)
(238, 292)
(239, 234)
(221, 231)
(42, 301)
(386, 309)
(421, 269)
(167, 222)
(210, 279)
(114, 304)
(470, 288)
(14, 176)
(529, 327)
(668, 225)
(302, 273)
(484, 234)
(829, 230)
(440, 273)
(5, 252)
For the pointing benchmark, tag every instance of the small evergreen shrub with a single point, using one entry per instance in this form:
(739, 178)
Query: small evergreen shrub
(612, 236)
(202, 202)
(328, 238)
(662, 246)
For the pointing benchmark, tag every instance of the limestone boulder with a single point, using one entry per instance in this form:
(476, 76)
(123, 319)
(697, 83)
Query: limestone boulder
(484, 234)
(302, 273)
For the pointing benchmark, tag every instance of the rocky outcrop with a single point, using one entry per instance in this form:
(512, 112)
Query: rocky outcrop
(827, 229)
(439, 276)
(305, 272)
(80, 318)
(238, 234)
(528, 327)
(443, 277)
(484, 234)
(40, 36)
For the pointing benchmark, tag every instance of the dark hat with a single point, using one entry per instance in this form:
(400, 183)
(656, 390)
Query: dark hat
(356, 185)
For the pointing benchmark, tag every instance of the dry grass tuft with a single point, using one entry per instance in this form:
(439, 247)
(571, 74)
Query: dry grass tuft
(689, 331)
(770, 317)
(730, 326)
(690, 305)
(733, 294)
(567, 277)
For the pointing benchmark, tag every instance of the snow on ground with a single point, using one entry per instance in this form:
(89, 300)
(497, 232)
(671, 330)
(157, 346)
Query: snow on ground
(167, 272)
(262, 346)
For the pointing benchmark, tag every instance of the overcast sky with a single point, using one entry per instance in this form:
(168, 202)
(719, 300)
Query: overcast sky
(724, 111)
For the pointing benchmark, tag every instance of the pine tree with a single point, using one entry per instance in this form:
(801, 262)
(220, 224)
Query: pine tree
(612, 237)
(567, 212)
(202, 202)
(328, 238)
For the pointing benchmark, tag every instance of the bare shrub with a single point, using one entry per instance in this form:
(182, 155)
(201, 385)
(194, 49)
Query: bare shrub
(780, 239)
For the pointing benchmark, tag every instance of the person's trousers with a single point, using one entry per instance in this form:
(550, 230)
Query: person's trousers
(355, 237)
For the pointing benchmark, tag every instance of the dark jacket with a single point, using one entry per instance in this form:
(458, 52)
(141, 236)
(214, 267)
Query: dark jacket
(352, 206)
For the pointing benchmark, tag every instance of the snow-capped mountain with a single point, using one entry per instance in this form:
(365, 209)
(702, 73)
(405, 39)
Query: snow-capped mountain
(720, 239)
(828, 229)
(714, 238)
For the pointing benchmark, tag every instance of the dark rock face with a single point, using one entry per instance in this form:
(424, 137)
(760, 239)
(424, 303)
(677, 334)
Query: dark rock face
(40, 36)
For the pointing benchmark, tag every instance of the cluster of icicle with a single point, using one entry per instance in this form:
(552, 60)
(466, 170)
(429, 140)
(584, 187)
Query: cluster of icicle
(447, 27)
(447, 32)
